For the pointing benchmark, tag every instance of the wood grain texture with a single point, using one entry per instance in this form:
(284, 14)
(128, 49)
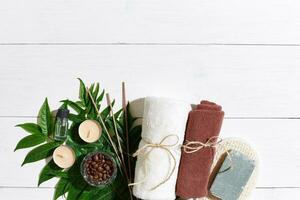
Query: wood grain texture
(27, 193)
(241, 54)
(134, 21)
(47, 193)
(247, 81)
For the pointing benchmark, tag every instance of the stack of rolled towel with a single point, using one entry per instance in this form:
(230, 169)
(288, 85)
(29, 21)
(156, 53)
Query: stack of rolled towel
(163, 169)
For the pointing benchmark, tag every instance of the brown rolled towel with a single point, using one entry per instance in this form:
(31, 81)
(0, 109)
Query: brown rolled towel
(204, 122)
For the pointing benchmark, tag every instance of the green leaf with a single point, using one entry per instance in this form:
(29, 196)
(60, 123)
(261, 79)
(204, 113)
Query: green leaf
(121, 130)
(76, 118)
(85, 195)
(89, 106)
(80, 104)
(130, 118)
(77, 183)
(30, 141)
(40, 152)
(31, 128)
(118, 113)
(73, 193)
(63, 106)
(134, 138)
(92, 88)
(100, 98)
(45, 118)
(105, 112)
(106, 193)
(96, 91)
(48, 172)
(61, 188)
(82, 91)
(73, 105)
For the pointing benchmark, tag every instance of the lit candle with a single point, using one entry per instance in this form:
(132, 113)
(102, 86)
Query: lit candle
(64, 156)
(90, 131)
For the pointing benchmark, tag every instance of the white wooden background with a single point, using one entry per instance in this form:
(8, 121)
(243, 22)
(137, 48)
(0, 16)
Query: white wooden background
(244, 55)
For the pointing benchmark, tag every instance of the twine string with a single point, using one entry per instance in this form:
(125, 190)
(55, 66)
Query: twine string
(189, 147)
(215, 141)
(194, 146)
(161, 145)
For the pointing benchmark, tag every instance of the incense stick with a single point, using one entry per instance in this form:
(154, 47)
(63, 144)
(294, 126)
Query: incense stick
(124, 105)
(110, 139)
(115, 126)
(118, 139)
(103, 124)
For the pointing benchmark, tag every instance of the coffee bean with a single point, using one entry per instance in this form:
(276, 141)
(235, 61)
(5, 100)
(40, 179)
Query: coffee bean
(95, 157)
(98, 168)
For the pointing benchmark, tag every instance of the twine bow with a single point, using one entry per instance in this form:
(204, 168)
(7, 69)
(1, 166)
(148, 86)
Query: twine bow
(161, 145)
(194, 146)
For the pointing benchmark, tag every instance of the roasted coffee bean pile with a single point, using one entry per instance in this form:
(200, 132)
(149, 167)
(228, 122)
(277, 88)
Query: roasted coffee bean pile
(98, 168)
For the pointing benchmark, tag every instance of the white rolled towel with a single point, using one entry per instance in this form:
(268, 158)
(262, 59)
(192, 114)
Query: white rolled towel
(164, 121)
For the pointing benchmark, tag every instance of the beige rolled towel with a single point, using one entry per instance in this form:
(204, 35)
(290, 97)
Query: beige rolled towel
(164, 122)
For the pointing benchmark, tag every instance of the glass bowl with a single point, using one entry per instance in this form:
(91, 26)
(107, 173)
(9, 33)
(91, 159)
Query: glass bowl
(95, 171)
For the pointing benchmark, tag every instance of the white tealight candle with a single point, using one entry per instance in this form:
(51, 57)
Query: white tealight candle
(64, 156)
(90, 131)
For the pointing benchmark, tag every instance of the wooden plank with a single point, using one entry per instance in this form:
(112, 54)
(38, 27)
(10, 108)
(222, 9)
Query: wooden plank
(46, 193)
(275, 140)
(248, 81)
(206, 21)
(27, 193)
(275, 193)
